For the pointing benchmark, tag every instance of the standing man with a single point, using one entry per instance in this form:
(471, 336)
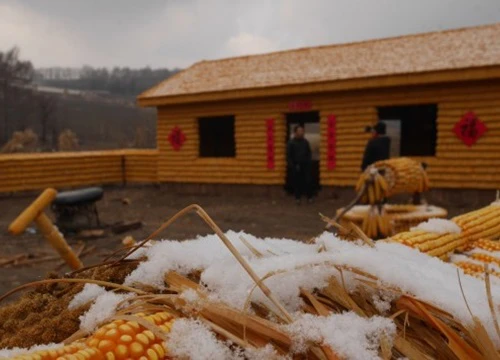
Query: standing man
(378, 147)
(299, 163)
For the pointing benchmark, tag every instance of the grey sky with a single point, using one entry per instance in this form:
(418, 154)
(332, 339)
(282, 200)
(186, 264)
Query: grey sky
(177, 33)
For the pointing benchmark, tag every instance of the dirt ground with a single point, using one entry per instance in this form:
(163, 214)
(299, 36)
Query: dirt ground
(273, 215)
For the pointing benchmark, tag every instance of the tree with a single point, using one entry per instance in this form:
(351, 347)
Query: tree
(15, 75)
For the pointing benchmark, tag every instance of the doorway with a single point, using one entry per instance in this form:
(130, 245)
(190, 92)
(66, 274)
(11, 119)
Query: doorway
(310, 121)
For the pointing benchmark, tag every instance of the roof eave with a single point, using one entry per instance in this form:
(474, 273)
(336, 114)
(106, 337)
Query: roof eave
(422, 78)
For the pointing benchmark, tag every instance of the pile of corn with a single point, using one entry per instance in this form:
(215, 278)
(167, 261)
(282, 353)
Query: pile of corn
(390, 219)
(479, 229)
(120, 339)
(400, 175)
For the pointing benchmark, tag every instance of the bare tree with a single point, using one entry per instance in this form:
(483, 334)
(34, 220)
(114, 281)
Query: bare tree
(14, 75)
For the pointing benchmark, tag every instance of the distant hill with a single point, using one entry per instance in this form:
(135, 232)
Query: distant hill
(96, 105)
(118, 81)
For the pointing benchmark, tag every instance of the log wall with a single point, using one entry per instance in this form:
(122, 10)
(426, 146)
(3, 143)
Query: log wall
(454, 166)
(20, 172)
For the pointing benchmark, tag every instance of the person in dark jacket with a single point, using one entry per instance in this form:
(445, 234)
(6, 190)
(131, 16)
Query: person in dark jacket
(378, 147)
(299, 158)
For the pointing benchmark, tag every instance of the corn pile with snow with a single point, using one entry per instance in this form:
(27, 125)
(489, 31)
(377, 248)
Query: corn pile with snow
(340, 297)
(236, 296)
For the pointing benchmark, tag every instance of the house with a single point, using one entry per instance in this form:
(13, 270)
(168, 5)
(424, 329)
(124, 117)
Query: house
(227, 121)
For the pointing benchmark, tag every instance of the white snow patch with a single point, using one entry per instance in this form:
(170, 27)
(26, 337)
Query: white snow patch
(228, 282)
(425, 277)
(267, 352)
(382, 301)
(198, 254)
(190, 296)
(348, 335)
(440, 226)
(191, 339)
(104, 307)
(89, 293)
(10, 353)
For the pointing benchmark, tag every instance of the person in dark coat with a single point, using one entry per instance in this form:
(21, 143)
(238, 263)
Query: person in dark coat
(378, 147)
(299, 158)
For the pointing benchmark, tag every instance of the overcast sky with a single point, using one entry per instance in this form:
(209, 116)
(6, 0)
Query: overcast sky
(177, 33)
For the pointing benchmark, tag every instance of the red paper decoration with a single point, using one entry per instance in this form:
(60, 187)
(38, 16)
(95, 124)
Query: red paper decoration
(176, 138)
(331, 151)
(299, 105)
(469, 129)
(270, 143)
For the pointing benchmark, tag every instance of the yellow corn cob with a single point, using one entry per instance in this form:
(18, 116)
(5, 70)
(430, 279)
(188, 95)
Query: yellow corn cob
(119, 339)
(485, 258)
(433, 244)
(482, 223)
(486, 244)
(403, 175)
(474, 269)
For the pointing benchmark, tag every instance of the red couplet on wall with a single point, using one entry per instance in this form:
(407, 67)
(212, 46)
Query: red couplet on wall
(270, 143)
(176, 138)
(331, 152)
(469, 129)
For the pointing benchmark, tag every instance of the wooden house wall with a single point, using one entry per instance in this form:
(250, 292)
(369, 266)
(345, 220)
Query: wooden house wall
(454, 166)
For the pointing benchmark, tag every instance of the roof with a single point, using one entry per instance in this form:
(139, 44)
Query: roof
(473, 47)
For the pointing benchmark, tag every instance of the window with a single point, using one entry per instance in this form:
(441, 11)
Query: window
(412, 129)
(217, 136)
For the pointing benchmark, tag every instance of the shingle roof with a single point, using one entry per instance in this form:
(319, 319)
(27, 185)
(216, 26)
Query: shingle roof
(445, 50)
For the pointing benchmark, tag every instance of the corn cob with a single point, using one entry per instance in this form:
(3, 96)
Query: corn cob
(486, 244)
(376, 187)
(474, 269)
(376, 223)
(482, 223)
(433, 244)
(119, 339)
(402, 175)
(485, 258)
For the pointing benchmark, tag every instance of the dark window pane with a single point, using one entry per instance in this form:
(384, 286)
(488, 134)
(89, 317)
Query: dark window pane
(217, 136)
(418, 127)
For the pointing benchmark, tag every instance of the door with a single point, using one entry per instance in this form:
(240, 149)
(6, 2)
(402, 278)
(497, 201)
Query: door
(310, 121)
